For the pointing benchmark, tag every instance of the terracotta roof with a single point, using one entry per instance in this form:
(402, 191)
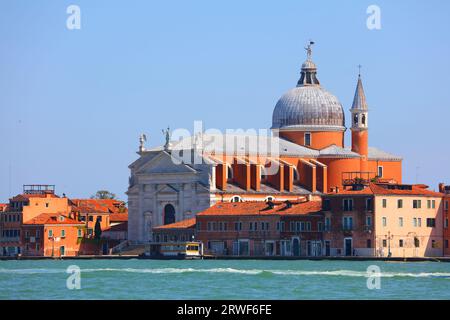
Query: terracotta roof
(184, 224)
(415, 190)
(3, 206)
(118, 217)
(97, 205)
(390, 189)
(262, 208)
(51, 218)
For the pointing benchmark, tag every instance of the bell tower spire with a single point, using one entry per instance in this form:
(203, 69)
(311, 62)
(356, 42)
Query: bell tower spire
(360, 135)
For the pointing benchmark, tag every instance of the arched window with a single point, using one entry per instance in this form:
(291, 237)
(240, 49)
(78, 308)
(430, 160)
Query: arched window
(236, 199)
(169, 214)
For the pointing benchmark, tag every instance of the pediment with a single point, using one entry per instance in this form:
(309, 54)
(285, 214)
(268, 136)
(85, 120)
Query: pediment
(162, 164)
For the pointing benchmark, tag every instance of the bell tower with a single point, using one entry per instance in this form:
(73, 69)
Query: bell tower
(360, 134)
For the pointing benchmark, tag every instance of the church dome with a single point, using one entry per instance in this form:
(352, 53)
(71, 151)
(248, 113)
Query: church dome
(308, 106)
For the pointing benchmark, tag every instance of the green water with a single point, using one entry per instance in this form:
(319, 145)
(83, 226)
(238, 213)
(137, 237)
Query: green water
(221, 279)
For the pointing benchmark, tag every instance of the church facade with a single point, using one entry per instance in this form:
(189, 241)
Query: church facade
(308, 126)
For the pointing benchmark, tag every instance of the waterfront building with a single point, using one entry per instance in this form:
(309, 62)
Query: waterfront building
(308, 126)
(445, 190)
(38, 219)
(383, 220)
(290, 228)
(35, 200)
(52, 235)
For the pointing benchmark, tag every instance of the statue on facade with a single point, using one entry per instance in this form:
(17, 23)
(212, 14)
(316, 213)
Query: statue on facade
(167, 137)
(142, 140)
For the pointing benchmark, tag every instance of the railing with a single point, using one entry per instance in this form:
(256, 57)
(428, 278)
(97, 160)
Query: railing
(6, 239)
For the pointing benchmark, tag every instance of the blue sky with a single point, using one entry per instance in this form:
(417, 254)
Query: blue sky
(73, 102)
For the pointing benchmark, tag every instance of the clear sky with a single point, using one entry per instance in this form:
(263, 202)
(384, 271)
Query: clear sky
(73, 102)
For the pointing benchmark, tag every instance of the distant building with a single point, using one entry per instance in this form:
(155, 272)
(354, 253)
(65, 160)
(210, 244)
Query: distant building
(40, 223)
(384, 220)
(308, 125)
(445, 190)
(52, 235)
(256, 229)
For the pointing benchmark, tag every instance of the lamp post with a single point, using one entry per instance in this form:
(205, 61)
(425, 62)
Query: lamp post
(389, 237)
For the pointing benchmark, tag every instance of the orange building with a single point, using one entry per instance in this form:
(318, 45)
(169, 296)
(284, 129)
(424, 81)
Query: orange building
(37, 220)
(52, 235)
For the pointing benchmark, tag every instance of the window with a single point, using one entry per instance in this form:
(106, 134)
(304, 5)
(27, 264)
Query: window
(79, 233)
(302, 226)
(236, 199)
(63, 233)
(326, 205)
(327, 223)
(308, 226)
(446, 205)
(428, 204)
(292, 226)
(400, 222)
(307, 139)
(446, 244)
(238, 226)
(433, 244)
(399, 203)
(91, 218)
(348, 223)
(264, 226)
(37, 247)
(400, 243)
(384, 243)
(380, 171)
(369, 243)
(368, 221)
(433, 204)
(38, 234)
(431, 222)
(348, 204)
(369, 204)
(417, 204)
(209, 226)
(419, 222)
(50, 233)
(446, 223)
(298, 226)
(46, 204)
(414, 222)
(384, 203)
(384, 221)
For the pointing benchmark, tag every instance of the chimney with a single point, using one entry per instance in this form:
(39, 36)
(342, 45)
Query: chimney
(442, 187)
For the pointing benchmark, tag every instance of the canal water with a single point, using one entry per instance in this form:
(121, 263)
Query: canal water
(223, 279)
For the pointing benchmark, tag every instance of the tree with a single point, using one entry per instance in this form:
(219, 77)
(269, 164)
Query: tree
(97, 229)
(103, 194)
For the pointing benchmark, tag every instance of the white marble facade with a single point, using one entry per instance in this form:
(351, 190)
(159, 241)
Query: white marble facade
(156, 182)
